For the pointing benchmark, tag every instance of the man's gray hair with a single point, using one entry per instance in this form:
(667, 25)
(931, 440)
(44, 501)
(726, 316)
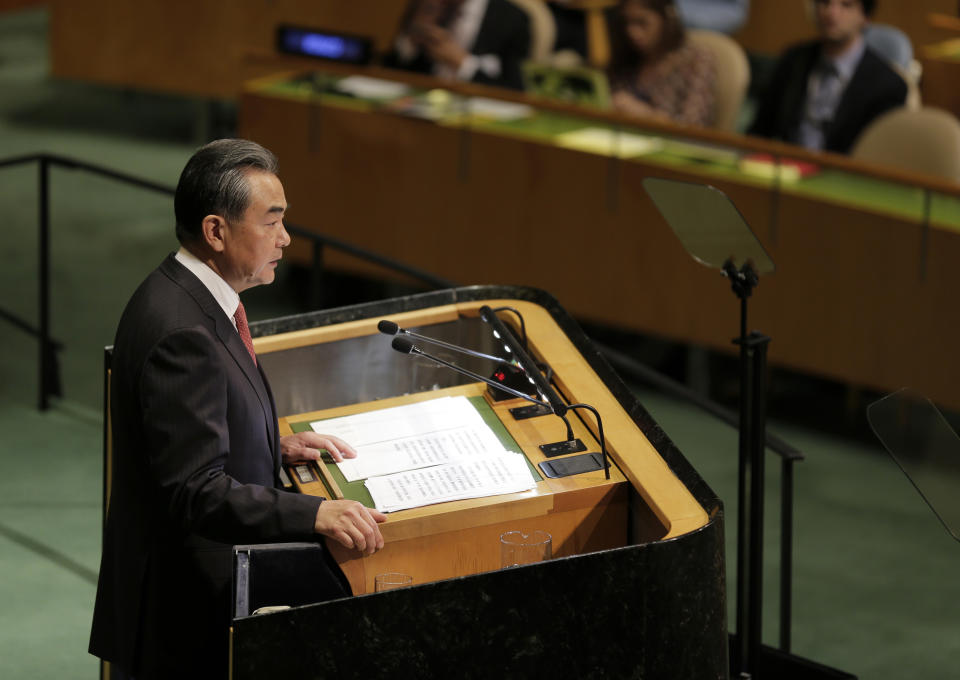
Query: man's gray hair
(214, 183)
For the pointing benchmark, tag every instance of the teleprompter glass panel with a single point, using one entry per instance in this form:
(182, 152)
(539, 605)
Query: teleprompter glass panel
(925, 446)
(708, 224)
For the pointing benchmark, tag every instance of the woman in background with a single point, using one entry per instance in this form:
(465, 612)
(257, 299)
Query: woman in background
(654, 71)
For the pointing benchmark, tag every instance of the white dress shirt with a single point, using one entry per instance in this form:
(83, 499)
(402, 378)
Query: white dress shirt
(221, 291)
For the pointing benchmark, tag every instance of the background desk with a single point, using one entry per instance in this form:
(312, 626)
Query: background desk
(862, 291)
(941, 72)
(200, 47)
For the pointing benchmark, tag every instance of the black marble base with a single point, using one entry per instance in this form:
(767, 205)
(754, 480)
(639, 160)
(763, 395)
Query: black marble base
(648, 611)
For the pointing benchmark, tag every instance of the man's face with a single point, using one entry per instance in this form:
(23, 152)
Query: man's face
(253, 246)
(840, 21)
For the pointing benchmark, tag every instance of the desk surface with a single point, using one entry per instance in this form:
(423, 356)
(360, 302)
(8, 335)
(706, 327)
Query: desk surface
(711, 162)
(528, 434)
(859, 291)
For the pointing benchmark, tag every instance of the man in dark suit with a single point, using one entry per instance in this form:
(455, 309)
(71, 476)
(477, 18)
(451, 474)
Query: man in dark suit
(484, 41)
(823, 94)
(196, 450)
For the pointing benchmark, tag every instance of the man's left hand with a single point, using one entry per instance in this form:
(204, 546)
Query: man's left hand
(303, 446)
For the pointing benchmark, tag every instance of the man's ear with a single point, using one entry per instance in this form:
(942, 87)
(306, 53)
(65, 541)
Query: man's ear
(213, 227)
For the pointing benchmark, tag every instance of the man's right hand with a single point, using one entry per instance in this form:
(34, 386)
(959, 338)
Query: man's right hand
(351, 524)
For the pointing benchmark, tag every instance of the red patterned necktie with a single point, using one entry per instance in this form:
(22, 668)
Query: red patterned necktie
(240, 316)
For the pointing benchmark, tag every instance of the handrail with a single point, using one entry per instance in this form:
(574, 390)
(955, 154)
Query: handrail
(73, 164)
(681, 391)
(48, 366)
(351, 249)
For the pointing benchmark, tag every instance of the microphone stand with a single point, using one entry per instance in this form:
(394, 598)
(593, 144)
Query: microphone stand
(390, 328)
(405, 346)
(501, 332)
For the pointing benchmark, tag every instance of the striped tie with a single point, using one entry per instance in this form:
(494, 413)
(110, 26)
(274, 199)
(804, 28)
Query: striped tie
(240, 316)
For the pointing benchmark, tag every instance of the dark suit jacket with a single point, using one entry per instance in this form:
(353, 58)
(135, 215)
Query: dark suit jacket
(195, 470)
(874, 89)
(504, 31)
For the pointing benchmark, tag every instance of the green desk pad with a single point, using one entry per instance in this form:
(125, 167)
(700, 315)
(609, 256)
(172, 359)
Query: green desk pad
(842, 188)
(357, 491)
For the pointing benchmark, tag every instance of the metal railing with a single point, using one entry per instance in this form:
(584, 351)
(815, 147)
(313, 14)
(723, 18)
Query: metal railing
(49, 371)
(788, 456)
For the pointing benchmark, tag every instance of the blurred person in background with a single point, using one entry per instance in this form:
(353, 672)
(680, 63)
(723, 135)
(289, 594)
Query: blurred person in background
(483, 41)
(654, 72)
(824, 93)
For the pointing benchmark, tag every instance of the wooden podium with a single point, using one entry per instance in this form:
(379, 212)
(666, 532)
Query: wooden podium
(636, 586)
(582, 513)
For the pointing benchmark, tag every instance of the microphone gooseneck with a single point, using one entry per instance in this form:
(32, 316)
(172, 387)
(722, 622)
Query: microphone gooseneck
(388, 327)
(406, 346)
(501, 332)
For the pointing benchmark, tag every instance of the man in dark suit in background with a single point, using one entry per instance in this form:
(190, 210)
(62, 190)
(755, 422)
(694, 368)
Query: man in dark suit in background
(196, 450)
(823, 94)
(484, 41)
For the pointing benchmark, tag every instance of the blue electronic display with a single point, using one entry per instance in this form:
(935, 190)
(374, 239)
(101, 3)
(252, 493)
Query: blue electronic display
(323, 45)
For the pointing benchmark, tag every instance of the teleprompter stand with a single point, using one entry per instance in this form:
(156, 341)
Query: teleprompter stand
(715, 234)
(750, 479)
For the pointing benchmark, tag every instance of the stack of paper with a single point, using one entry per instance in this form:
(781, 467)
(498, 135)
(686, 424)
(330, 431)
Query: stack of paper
(428, 452)
(365, 87)
(496, 109)
(609, 142)
(486, 475)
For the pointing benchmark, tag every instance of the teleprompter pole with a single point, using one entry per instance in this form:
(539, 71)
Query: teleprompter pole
(753, 370)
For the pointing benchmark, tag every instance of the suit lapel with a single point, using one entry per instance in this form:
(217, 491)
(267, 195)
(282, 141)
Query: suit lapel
(228, 335)
(490, 34)
(794, 106)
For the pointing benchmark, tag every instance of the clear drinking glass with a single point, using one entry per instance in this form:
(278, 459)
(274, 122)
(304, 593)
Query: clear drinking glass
(391, 581)
(519, 547)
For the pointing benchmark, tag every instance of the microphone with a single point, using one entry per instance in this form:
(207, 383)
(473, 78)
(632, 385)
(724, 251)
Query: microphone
(406, 346)
(544, 388)
(501, 332)
(390, 328)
